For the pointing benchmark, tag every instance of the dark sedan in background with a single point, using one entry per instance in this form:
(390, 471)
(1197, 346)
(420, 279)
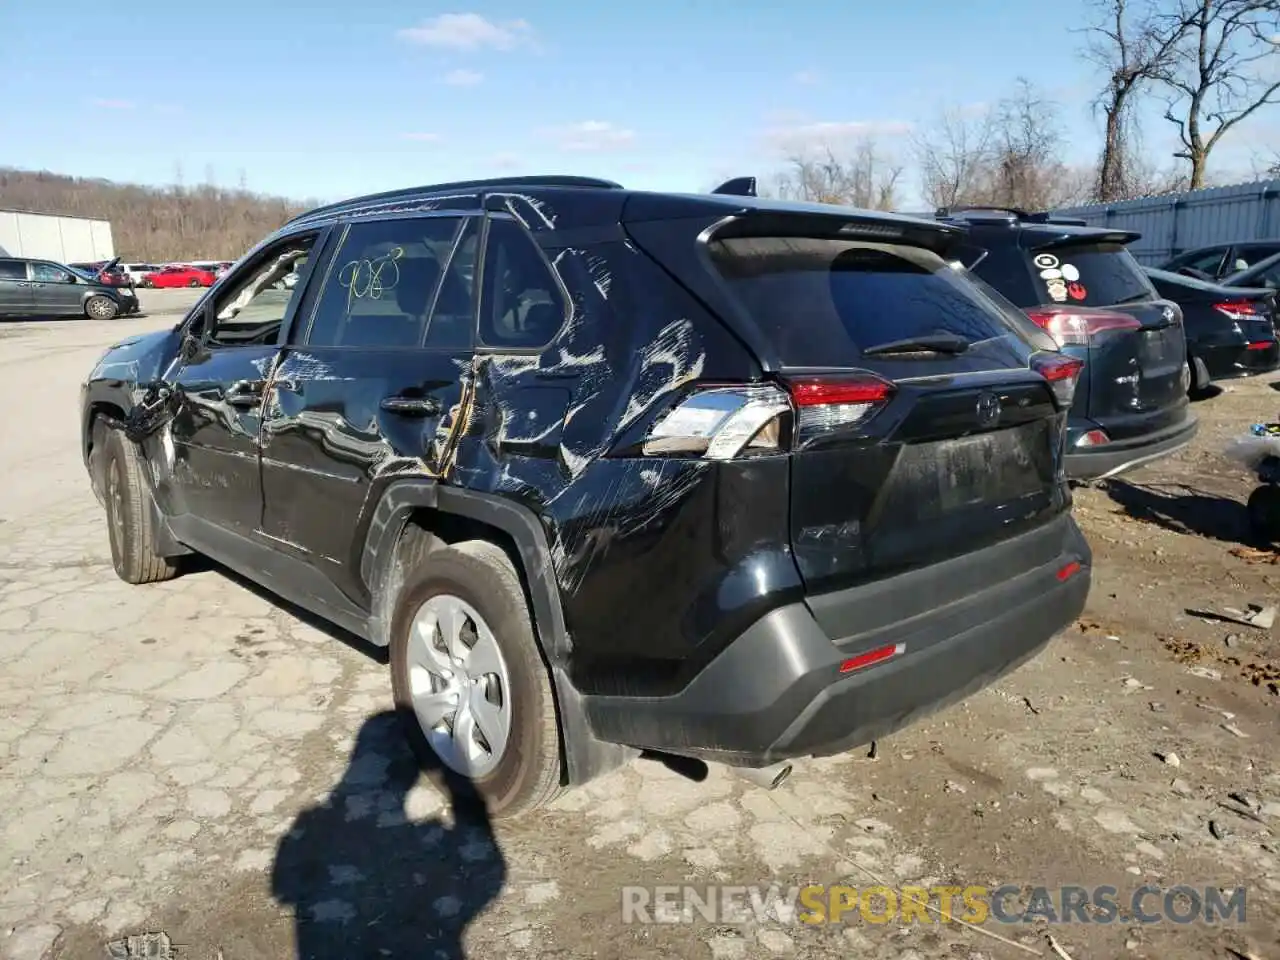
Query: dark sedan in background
(1230, 329)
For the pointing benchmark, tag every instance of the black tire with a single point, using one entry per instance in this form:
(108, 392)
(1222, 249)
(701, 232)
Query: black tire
(481, 574)
(1264, 512)
(100, 308)
(129, 519)
(193, 283)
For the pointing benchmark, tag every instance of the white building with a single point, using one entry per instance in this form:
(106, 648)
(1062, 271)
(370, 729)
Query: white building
(61, 239)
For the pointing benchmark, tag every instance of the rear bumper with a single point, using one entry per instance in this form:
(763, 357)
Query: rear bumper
(1121, 456)
(777, 691)
(1225, 362)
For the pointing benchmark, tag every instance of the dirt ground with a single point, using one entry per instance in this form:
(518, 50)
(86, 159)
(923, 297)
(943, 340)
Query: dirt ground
(196, 759)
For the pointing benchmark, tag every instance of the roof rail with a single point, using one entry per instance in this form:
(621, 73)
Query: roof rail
(738, 187)
(551, 180)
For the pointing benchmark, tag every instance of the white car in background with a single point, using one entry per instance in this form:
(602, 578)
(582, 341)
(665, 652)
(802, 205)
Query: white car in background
(137, 271)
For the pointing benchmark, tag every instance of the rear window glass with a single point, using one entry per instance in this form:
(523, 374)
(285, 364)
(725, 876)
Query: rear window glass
(821, 301)
(1097, 275)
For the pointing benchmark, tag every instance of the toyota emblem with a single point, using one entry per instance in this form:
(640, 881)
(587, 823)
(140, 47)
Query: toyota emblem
(988, 410)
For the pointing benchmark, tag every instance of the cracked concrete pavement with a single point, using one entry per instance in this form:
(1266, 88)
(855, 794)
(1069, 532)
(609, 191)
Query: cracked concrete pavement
(195, 758)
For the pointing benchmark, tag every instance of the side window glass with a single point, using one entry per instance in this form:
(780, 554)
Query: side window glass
(13, 270)
(1208, 262)
(379, 291)
(48, 273)
(522, 306)
(454, 314)
(252, 308)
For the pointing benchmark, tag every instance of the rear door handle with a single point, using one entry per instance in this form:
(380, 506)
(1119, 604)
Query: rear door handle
(412, 406)
(245, 393)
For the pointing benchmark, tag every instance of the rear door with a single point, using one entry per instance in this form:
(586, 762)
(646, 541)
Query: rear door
(922, 432)
(15, 289)
(369, 386)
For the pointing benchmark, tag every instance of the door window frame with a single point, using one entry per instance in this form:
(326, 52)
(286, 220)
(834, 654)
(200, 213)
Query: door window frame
(340, 231)
(203, 311)
(481, 300)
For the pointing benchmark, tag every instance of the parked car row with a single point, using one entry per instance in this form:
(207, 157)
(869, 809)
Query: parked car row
(197, 274)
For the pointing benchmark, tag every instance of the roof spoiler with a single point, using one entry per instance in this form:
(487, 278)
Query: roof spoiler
(738, 187)
(1011, 213)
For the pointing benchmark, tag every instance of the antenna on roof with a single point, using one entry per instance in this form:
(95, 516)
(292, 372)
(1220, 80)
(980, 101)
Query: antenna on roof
(738, 187)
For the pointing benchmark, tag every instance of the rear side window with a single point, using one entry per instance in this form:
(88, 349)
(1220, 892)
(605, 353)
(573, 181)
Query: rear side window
(1095, 275)
(522, 307)
(13, 270)
(822, 301)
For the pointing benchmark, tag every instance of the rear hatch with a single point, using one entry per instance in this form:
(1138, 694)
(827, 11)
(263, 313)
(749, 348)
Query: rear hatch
(1095, 296)
(922, 430)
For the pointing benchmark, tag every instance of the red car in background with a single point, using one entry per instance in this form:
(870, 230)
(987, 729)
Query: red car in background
(179, 275)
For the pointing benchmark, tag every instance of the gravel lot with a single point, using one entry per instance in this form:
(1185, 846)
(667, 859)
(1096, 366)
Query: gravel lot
(195, 758)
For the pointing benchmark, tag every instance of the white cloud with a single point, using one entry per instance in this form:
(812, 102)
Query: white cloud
(463, 78)
(468, 31)
(113, 104)
(421, 137)
(806, 77)
(591, 135)
(801, 137)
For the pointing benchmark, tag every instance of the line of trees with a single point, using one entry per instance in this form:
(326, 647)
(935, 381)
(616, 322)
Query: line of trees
(155, 223)
(1209, 65)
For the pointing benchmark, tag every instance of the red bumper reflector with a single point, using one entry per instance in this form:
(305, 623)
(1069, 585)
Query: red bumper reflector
(1069, 571)
(1261, 345)
(872, 656)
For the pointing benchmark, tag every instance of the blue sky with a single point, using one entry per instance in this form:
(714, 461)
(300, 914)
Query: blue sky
(325, 99)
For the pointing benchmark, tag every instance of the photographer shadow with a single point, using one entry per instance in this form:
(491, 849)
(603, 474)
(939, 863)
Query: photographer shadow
(365, 881)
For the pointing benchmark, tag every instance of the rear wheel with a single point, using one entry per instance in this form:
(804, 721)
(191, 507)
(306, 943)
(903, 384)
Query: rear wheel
(129, 519)
(100, 308)
(467, 677)
(1264, 512)
(193, 282)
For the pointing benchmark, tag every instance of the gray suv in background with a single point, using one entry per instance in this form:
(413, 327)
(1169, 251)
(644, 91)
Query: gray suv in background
(42, 288)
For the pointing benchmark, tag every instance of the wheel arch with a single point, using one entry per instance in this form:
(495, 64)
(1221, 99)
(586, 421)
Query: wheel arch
(452, 514)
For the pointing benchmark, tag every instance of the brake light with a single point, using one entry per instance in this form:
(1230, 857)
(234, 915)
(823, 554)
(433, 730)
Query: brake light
(1068, 326)
(1094, 438)
(827, 404)
(1062, 372)
(1261, 345)
(1238, 309)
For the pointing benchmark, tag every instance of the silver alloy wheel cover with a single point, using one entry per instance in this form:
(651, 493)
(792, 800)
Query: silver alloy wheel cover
(460, 686)
(100, 307)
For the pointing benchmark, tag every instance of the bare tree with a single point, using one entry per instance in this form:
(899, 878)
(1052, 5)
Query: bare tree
(1227, 69)
(860, 177)
(955, 153)
(1134, 45)
(1026, 172)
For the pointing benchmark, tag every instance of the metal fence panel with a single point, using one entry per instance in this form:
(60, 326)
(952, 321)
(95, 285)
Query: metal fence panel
(1183, 221)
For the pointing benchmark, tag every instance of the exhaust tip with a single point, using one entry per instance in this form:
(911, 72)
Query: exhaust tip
(780, 776)
(770, 777)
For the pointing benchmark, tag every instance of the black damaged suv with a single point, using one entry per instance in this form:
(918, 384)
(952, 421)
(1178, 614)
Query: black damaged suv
(610, 470)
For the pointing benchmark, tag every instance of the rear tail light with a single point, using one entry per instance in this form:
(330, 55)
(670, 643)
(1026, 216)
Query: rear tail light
(1261, 345)
(1062, 372)
(1238, 309)
(724, 422)
(1094, 438)
(1068, 326)
(828, 404)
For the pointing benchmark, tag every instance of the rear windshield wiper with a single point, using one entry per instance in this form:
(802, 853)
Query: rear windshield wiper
(929, 343)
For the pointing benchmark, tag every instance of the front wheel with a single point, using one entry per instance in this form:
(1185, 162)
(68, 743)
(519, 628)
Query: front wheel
(193, 282)
(129, 520)
(100, 308)
(467, 677)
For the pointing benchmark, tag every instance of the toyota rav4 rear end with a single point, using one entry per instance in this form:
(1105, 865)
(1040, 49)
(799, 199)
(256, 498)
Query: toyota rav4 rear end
(1087, 292)
(927, 513)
